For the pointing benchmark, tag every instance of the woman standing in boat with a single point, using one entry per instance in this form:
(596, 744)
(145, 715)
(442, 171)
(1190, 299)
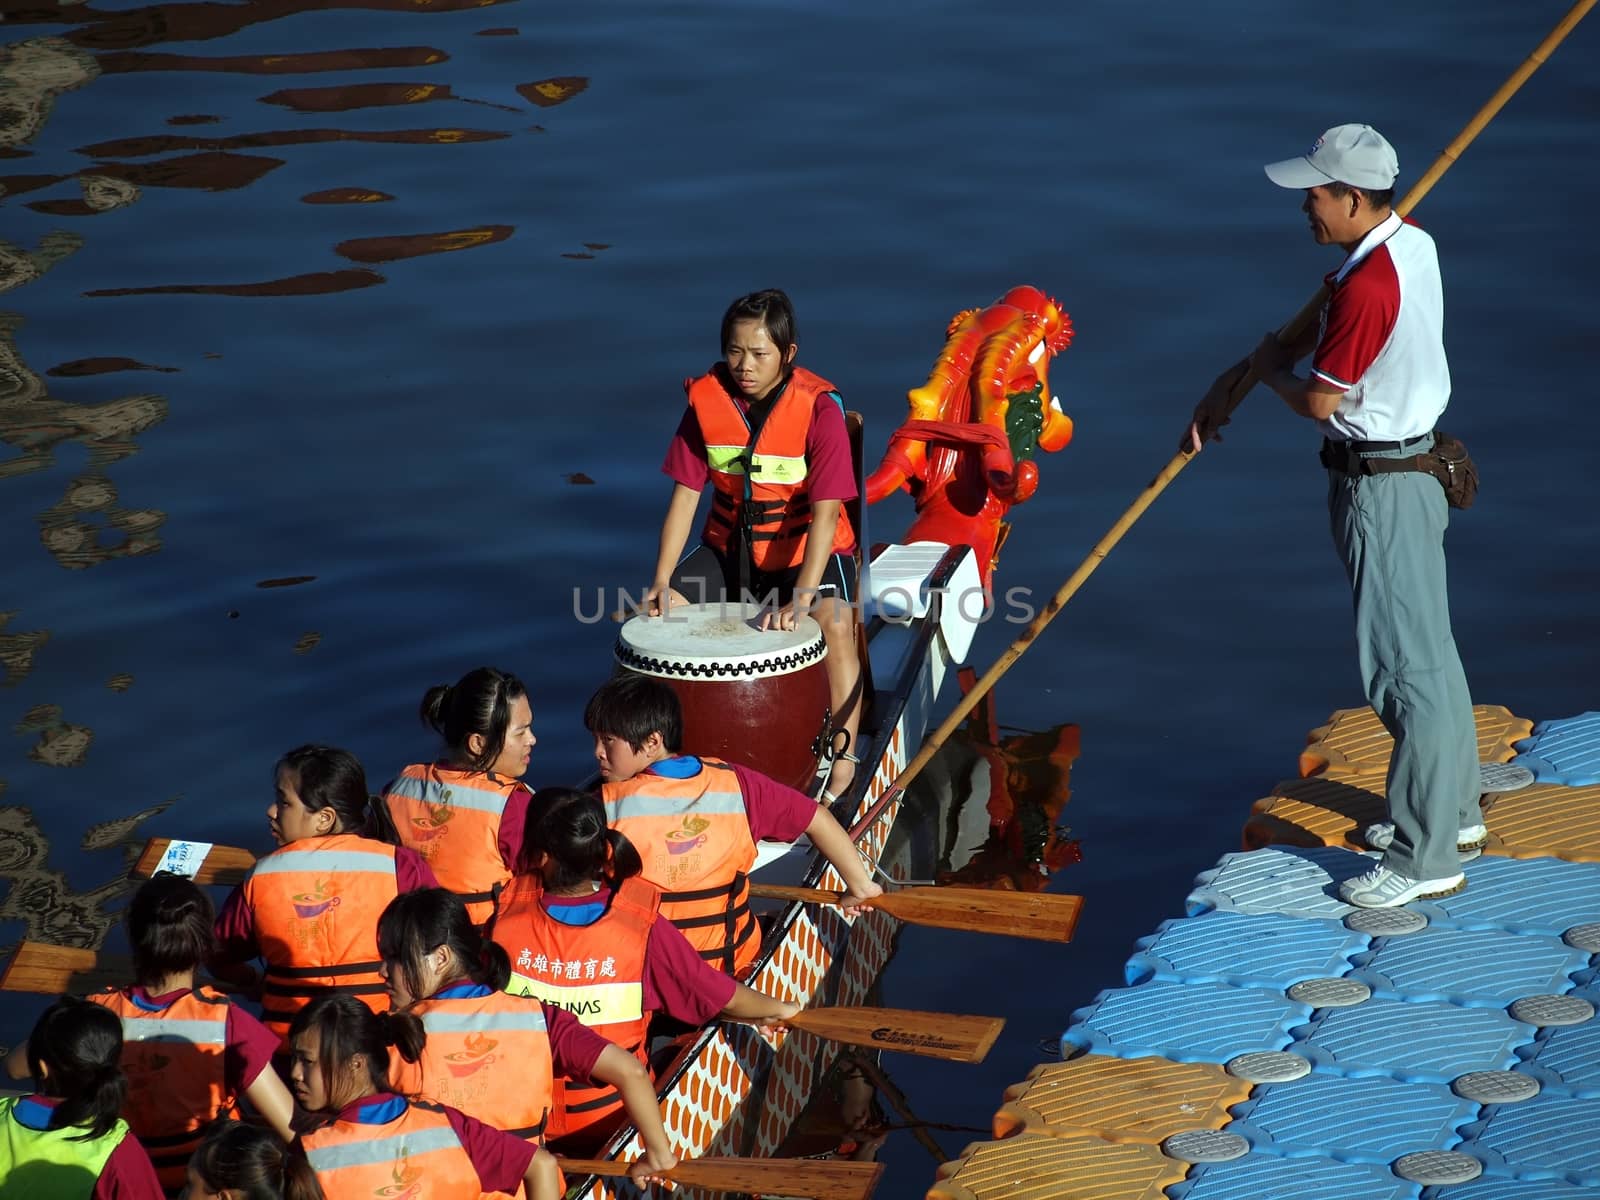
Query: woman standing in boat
(372, 1141)
(68, 1140)
(584, 933)
(464, 813)
(495, 1055)
(770, 437)
(310, 908)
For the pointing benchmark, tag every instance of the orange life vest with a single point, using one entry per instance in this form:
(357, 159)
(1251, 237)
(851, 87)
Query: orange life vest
(452, 818)
(761, 486)
(693, 836)
(488, 1056)
(595, 972)
(415, 1155)
(316, 904)
(173, 1058)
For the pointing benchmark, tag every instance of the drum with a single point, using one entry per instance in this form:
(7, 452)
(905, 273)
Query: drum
(750, 696)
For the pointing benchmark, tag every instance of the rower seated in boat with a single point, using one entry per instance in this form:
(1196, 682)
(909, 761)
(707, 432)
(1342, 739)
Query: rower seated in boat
(493, 1054)
(696, 821)
(463, 813)
(584, 932)
(310, 908)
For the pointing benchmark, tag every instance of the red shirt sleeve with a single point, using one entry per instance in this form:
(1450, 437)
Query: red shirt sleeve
(686, 456)
(128, 1174)
(411, 870)
(250, 1047)
(574, 1047)
(499, 1159)
(776, 811)
(1358, 320)
(512, 822)
(677, 981)
(235, 930)
(830, 472)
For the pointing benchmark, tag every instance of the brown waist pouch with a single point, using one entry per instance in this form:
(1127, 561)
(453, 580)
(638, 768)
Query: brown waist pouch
(1448, 462)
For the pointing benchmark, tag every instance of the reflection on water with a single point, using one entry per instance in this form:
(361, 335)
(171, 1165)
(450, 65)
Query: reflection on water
(32, 74)
(17, 649)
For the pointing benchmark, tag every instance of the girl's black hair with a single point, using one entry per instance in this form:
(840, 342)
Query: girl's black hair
(327, 777)
(570, 827)
(252, 1164)
(632, 707)
(479, 702)
(345, 1027)
(416, 923)
(771, 307)
(169, 923)
(81, 1043)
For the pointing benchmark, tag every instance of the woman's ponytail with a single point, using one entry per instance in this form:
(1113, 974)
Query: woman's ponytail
(404, 1032)
(435, 702)
(622, 861)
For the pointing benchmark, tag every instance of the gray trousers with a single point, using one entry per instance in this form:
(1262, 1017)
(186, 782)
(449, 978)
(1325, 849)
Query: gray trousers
(1389, 530)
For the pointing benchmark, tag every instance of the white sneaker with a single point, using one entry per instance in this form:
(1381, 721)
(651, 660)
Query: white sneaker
(1380, 835)
(1384, 888)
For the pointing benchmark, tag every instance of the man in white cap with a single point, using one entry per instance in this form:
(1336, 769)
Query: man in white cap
(1378, 382)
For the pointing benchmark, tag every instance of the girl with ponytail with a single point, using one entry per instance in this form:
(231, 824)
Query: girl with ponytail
(369, 1138)
(67, 1140)
(464, 812)
(177, 1087)
(310, 908)
(245, 1162)
(493, 1055)
(584, 932)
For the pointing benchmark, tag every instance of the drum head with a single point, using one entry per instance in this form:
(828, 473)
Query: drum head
(716, 641)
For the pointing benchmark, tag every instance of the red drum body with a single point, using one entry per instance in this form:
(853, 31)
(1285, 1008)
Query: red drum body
(750, 696)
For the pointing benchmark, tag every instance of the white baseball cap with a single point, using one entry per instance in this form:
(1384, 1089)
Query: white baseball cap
(1354, 154)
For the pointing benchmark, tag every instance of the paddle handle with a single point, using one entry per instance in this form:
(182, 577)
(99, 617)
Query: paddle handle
(778, 891)
(1287, 334)
(822, 1180)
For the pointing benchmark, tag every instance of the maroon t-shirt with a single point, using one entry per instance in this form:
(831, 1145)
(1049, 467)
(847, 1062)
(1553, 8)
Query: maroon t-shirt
(777, 812)
(236, 923)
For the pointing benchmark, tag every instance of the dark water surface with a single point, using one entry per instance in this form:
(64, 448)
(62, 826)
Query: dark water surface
(349, 295)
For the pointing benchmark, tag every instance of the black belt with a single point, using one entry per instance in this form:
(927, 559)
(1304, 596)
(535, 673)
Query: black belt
(1360, 447)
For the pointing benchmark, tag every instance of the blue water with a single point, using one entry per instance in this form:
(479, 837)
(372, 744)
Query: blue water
(409, 443)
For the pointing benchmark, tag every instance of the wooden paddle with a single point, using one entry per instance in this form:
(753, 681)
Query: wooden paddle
(1038, 915)
(831, 1179)
(930, 1034)
(58, 970)
(1287, 335)
(216, 864)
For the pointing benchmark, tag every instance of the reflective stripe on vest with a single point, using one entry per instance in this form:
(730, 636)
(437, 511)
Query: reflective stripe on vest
(452, 818)
(82, 1162)
(693, 836)
(761, 489)
(488, 1056)
(419, 1146)
(174, 1058)
(316, 904)
(552, 961)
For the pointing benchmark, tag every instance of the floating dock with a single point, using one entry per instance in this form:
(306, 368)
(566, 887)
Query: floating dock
(1277, 1044)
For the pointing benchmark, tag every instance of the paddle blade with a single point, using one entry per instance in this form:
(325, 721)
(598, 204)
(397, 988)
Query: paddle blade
(218, 864)
(57, 970)
(930, 1034)
(1039, 915)
(820, 1180)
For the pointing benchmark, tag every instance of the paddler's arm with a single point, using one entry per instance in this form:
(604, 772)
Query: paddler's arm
(1314, 398)
(828, 836)
(627, 1074)
(674, 536)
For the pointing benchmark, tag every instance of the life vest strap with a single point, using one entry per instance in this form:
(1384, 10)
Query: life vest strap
(710, 893)
(606, 1097)
(718, 918)
(359, 968)
(310, 991)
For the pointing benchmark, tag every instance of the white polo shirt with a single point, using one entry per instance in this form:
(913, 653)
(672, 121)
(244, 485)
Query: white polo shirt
(1382, 337)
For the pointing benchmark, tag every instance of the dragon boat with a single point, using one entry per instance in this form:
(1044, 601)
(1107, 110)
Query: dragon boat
(967, 454)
